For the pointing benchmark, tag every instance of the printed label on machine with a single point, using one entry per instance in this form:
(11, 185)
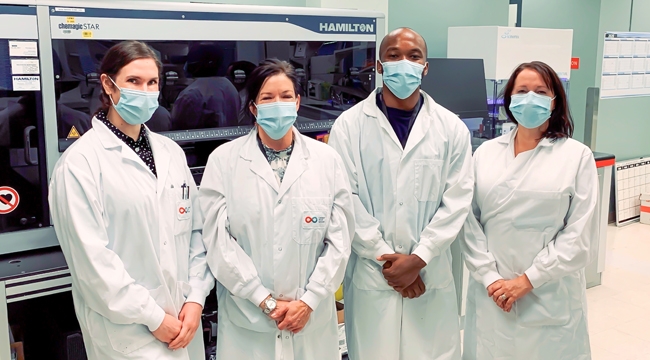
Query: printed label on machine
(23, 48)
(25, 67)
(26, 83)
(9, 200)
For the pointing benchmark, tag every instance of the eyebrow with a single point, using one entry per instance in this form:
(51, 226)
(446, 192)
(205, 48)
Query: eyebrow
(139, 78)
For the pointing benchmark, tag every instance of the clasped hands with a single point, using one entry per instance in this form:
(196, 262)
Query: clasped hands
(290, 315)
(178, 333)
(402, 272)
(513, 290)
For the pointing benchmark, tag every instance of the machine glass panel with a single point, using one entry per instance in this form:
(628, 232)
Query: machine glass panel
(23, 171)
(203, 87)
(207, 58)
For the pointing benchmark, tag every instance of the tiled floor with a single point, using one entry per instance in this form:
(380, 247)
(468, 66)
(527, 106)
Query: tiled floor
(619, 309)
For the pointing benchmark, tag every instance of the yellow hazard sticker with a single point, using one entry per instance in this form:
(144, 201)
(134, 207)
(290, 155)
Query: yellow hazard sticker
(73, 134)
(69, 19)
(86, 34)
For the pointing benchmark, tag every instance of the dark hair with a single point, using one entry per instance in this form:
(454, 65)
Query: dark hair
(204, 60)
(560, 124)
(117, 57)
(267, 68)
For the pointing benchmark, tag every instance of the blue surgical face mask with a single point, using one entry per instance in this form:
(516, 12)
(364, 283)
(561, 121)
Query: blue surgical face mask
(135, 107)
(402, 77)
(531, 110)
(276, 118)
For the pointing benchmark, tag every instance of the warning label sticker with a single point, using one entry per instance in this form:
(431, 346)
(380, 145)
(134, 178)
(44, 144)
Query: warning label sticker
(73, 134)
(9, 200)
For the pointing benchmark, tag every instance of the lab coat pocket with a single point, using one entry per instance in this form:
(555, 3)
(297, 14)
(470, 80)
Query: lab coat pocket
(183, 219)
(127, 338)
(537, 210)
(313, 217)
(244, 314)
(427, 179)
(548, 305)
(437, 274)
(367, 275)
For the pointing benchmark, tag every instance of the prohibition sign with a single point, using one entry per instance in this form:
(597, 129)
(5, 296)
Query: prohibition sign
(9, 200)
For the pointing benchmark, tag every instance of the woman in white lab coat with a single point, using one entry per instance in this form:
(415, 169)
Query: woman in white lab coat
(532, 231)
(124, 206)
(278, 225)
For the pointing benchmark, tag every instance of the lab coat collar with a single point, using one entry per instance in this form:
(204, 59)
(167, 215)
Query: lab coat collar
(161, 157)
(420, 127)
(298, 163)
(260, 165)
(506, 140)
(159, 149)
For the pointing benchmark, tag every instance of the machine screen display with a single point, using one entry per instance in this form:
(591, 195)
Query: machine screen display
(203, 86)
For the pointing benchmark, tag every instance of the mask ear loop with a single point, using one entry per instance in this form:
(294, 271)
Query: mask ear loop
(119, 88)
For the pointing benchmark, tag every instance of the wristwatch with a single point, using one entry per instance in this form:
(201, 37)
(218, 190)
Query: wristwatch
(269, 305)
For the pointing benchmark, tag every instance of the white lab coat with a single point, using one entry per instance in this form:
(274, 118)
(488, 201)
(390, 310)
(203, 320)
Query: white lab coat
(132, 254)
(259, 243)
(408, 201)
(534, 215)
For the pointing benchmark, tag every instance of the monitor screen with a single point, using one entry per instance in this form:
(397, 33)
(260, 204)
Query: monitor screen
(203, 86)
(458, 85)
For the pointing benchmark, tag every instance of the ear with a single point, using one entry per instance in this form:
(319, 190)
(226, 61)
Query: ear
(297, 103)
(107, 84)
(380, 68)
(253, 109)
(426, 69)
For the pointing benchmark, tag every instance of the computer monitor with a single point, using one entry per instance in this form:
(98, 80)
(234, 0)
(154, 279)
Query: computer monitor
(458, 85)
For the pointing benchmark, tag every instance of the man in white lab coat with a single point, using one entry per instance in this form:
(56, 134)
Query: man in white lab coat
(409, 164)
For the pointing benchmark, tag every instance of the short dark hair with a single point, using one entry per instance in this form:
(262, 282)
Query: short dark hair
(117, 57)
(560, 124)
(267, 68)
(204, 60)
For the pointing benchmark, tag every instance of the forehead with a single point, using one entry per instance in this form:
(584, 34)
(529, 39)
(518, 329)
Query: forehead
(404, 38)
(140, 67)
(278, 82)
(529, 77)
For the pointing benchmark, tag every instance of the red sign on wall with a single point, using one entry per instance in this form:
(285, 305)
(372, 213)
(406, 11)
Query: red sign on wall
(575, 63)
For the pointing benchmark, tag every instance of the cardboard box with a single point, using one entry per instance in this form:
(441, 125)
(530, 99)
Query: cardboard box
(17, 347)
(339, 313)
(645, 209)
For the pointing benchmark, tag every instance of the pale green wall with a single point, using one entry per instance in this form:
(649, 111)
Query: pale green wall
(561, 14)
(623, 124)
(641, 16)
(432, 18)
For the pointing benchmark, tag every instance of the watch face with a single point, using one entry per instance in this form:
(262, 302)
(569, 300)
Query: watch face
(271, 303)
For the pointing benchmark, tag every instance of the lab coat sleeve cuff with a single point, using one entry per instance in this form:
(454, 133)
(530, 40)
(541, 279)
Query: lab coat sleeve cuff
(259, 294)
(490, 277)
(535, 277)
(383, 250)
(311, 299)
(425, 253)
(153, 315)
(196, 296)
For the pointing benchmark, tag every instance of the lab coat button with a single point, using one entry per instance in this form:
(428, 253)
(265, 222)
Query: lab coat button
(400, 246)
(279, 249)
(165, 243)
(279, 201)
(286, 337)
(279, 336)
(401, 203)
(281, 295)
